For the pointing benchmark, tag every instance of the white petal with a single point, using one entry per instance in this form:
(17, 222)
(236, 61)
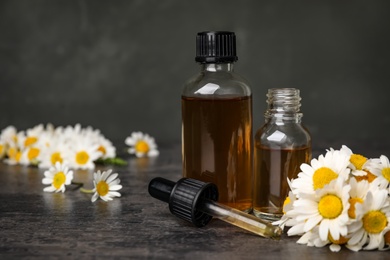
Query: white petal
(47, 181)
(356, 237)
(374, 241)
(49, 189)
(48, 174)
(316, 164)
(385, 161)
(106, 198)
(106, 174)
(95, 197)
(355, 248)
(296, 230)
(111, 177)
(334, 248)
(324, 229)
(130, 141)
(335, 230)
(153, 153)
(116, 187)
(115, 182)
(95, 176)
(307, 169)
(312, 222)
(114, 193)
(304, 238)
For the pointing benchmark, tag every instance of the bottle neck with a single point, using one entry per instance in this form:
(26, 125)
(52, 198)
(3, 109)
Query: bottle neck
(283, 106)
(217, 67)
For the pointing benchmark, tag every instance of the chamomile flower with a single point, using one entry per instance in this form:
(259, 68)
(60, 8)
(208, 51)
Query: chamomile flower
(381, 169)
(357, 162)
(53, 154)
(373, 221)
(106, 148)
(328, 208)
(57, 177)
(357, 194)
(14, 154)
(141, 145)
(83, 154)
(106, 185)
(321, 172)
(30, 137)
(30, 155)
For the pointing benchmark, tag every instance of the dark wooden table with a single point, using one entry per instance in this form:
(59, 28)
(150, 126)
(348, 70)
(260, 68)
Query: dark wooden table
(35, 224)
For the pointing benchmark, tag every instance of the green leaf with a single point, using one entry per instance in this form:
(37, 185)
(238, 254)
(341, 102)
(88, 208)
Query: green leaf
(111, 161)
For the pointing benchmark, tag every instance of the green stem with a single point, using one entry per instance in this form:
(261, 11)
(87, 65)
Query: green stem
(86, 190)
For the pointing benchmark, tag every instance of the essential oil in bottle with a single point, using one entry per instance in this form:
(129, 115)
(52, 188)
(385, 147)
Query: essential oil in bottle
(217, 122)
(282, 144)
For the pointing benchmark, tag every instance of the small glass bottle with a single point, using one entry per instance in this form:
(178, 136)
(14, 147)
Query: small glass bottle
(217, 122)
(282, 144)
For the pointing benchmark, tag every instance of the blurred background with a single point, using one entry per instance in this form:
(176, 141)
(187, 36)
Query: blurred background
(119, 66)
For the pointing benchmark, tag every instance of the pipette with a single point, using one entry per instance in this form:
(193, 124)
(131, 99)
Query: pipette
(196, 202)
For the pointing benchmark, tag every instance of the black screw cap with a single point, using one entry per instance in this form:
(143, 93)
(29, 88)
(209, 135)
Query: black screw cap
(184, 196)
(216, 47)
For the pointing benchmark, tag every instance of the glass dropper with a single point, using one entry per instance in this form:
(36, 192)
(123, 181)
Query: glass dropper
(195, 201)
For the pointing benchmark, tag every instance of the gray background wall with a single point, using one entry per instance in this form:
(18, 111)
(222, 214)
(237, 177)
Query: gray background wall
(120, 65)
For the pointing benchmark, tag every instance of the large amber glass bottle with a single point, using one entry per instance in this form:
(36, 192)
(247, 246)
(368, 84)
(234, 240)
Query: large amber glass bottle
(282, 144)
(217, 122)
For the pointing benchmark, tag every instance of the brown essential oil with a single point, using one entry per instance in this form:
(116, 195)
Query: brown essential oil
(274, 166)
(217, 137)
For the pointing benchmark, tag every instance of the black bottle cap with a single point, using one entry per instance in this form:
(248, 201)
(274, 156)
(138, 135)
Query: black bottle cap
(216, 47)
(183, 197)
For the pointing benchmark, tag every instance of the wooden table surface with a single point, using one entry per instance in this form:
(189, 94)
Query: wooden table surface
(35, 224)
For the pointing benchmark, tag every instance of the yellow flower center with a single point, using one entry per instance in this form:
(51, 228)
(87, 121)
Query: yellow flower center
(56, 157)
(82, 157)
(330, 206)
(58, 180)
(358, 161)
(1, 149)
(30, 141)
(102, 188)
(14, 154)
(386, 173)
(374, 221)
(341, 241)
(352, 202)
(323, 176)
(368, 177)
(387, 238)
(286, 202)
(33, 153)
(102, 149)
(142, 147)
(11, 152)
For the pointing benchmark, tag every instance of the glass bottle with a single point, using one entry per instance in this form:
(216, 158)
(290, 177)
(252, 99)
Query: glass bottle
(217, 122)
(282, 144)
